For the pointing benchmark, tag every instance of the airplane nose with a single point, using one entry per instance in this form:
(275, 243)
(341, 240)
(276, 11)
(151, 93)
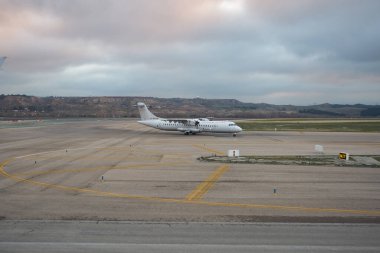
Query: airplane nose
(238, 129)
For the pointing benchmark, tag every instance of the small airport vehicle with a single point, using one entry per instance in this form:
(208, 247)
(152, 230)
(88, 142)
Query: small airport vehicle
(187, 126)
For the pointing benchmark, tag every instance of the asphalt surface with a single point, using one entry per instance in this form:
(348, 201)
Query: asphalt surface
(120, 170)
(76, 236)
(116, 186)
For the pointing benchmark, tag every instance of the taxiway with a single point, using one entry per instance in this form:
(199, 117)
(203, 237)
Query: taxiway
(120, 170)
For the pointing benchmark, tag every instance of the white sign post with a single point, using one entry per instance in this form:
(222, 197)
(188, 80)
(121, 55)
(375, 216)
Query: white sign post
(233, 153)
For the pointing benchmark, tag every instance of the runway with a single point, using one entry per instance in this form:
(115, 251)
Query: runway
(119, 170)
(88, 236)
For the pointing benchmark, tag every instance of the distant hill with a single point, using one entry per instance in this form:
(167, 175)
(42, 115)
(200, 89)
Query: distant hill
(22, 106)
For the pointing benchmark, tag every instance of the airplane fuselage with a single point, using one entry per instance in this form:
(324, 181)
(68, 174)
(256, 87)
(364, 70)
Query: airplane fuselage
(187, 126)
(202, 126)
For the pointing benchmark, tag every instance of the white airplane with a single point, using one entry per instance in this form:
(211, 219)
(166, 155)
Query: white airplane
(187, 126)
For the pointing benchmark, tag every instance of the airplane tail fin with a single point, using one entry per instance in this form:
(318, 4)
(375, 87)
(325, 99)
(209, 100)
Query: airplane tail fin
(145, 114)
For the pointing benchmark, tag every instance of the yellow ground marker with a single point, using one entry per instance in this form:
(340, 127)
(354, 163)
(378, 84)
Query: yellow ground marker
(206, 185)
(181, 201)
(208, 149)
(108, 168)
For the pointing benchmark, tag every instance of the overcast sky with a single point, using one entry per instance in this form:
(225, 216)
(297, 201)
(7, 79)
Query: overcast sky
(274, 51)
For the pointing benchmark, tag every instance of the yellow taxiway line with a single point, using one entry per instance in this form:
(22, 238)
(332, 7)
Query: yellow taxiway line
(208, 149)
(74, 170)
(206, 185)
(180, 201)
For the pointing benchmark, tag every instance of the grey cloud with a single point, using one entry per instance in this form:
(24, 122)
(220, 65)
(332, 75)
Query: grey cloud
(346, 30)
(275, 51)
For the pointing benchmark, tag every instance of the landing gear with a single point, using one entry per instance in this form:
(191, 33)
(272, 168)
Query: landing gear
(187, 133)
(234, 135)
